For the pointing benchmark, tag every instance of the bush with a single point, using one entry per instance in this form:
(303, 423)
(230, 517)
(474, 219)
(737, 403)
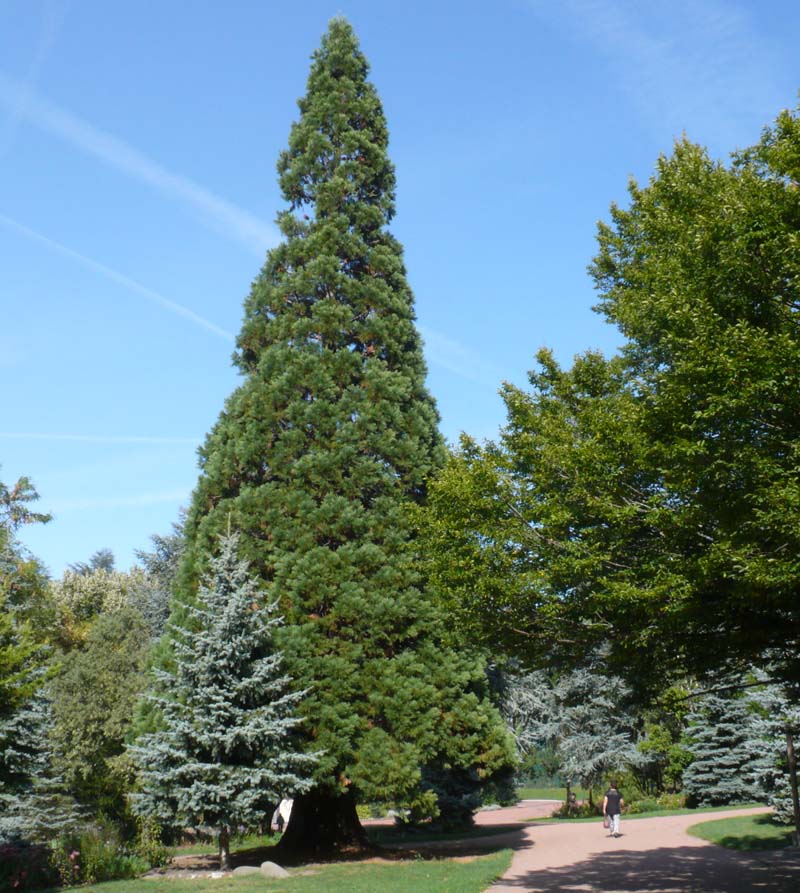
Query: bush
(646, 804)
(577, 811)
(653, 804)
(372, 810)
(26, 867)
(94, 855)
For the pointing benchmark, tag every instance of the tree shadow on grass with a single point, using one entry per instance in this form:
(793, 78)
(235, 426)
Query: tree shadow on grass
(671, 870)
(511, 838)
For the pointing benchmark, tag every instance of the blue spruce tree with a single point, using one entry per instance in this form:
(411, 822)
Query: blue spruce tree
(225, 754)
(725, 751)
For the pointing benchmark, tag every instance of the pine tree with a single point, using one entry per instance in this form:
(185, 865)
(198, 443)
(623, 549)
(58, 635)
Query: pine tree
(776, 726)
(34, 801)
(225, 754)
(316, 459)
(725, 751)
(582, 716)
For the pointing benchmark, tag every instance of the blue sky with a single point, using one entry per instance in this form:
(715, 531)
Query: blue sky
(138, 143)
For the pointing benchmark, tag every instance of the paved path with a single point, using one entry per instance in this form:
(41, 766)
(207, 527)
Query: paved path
(654, 855)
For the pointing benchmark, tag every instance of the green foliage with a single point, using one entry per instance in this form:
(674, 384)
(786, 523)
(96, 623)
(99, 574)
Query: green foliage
(102, 560)
(319, 454)
(582, 810)
(81, 597)
(667, 802)
(773, 715)
(652, 500)
(28, 800)
(94, 696)
(93, 855)
(583, 717)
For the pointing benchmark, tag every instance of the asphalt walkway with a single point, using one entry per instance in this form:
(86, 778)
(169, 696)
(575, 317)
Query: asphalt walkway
(654, 855)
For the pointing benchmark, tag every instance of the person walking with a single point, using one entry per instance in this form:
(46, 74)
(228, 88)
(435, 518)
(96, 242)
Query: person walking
(612, 806)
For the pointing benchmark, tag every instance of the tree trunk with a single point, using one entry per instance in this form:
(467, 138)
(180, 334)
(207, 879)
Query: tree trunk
(792, 760)
(323, 824)
(224, 848)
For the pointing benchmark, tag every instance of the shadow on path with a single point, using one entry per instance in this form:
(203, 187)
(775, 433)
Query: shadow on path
(691, 869)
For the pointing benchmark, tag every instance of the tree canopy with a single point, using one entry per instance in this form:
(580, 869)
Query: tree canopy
(650, 501)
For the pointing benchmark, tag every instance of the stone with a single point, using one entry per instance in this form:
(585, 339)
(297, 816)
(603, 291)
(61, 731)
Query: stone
(246, 869)
(270, 869)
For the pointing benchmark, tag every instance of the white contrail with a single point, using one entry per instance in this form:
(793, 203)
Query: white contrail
(142, 499)
(114, 276)
(456, 358)
(223, 215)
(99, 438)
(53, 13)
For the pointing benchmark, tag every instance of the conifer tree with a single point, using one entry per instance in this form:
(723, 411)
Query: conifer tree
(225, 754)
(35, 804)
(776, 726)
(318, 456)
(725, 751)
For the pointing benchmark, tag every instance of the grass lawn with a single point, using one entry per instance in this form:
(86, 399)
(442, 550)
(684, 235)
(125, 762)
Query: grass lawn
(549, 793)
(421, 876)
(249, 842)
(382, 834)
(632, 817)
(746, 833)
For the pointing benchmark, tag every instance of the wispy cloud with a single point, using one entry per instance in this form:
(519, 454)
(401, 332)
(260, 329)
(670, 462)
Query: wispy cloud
(695, 65)
(53, 13)
(222, 215)
(141, 500)
(99, 438)
(456, 358)
(115, 276)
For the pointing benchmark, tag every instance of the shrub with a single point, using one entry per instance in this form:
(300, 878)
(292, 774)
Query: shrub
(149, 845)
(94, 855)
(26, 867)
(646, 804)
(653, 804)
(577, 810)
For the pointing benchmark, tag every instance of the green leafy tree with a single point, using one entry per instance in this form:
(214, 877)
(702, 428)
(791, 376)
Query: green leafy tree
(651, 500)
(226, 753)
(318, 456)
(94, 696)
(81, 598)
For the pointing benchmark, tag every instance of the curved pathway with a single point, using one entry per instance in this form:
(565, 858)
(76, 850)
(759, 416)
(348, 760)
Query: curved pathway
(654, 855)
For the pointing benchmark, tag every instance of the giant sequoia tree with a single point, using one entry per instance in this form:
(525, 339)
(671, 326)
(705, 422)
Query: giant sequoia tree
(316, 458)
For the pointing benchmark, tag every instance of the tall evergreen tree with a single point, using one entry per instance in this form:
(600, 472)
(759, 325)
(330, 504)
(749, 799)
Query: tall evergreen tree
(225, 755)
(585, 720)
(776, 725)
(725, 751)
(317, 457)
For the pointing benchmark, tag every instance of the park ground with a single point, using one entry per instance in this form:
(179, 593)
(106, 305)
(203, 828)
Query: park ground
(523, 852)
